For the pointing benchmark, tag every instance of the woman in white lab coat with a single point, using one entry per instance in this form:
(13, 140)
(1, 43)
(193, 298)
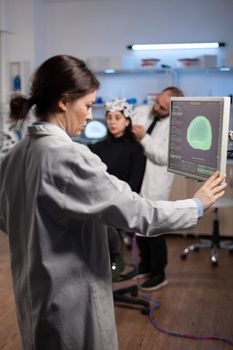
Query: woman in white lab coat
(56, 199)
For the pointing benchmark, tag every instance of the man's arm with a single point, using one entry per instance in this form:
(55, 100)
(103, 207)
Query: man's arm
(155, 150)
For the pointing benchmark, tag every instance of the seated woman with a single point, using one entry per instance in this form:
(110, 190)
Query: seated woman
(124, 157)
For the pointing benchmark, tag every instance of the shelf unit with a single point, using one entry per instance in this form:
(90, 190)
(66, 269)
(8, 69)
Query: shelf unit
(16, 80)
(132, 83)
(164, 70)
(138, 83)
(177, 76)
(134, 71)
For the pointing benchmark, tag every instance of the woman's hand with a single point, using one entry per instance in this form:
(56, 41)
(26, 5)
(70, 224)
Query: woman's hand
(212, 190)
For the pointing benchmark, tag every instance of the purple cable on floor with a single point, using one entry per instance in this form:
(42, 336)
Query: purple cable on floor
(157, 304)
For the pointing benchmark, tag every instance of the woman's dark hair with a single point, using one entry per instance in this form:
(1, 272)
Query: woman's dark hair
(128, 133)
(58, 77)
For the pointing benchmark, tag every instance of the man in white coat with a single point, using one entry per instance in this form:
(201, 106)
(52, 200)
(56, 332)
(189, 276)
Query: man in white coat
(151, 127)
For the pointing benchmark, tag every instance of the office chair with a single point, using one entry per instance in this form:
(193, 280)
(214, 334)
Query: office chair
(128, 297)
(214, 243)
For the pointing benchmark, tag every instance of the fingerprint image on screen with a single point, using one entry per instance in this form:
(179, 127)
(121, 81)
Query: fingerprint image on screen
(199, 133)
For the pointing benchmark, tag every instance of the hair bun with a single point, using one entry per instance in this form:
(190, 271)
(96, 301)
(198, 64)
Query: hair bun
(19, 107)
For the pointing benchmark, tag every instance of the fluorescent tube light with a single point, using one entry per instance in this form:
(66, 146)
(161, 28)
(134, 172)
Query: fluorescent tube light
(211, 45)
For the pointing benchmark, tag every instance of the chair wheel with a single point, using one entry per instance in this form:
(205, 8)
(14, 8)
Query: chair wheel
(214, 263)
(145, 311)
(183, 256)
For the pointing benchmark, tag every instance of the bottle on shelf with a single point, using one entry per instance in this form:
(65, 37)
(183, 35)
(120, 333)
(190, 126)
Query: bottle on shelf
(16, 83)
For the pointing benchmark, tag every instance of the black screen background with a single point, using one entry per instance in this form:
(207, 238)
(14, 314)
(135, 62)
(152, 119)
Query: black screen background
(182, 114)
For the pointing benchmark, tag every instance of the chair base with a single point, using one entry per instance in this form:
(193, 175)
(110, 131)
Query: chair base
(215, 247)
(122, 299)
(214, 243)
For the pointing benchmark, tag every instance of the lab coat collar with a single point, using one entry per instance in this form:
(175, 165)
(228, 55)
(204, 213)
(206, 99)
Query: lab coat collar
(47, 129)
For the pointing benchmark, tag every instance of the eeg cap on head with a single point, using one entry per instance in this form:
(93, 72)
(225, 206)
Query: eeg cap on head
(120, 105)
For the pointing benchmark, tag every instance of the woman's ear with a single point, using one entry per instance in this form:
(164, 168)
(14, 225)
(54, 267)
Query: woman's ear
(62, 104)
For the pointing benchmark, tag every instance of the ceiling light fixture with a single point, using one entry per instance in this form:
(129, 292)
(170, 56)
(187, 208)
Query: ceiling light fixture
(184, 46)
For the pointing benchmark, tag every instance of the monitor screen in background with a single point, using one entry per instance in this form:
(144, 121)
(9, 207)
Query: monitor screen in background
(95, 130)
(198, 135)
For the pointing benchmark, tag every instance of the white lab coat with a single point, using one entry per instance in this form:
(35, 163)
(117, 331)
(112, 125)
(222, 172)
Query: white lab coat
(55, 200)
(157, 181)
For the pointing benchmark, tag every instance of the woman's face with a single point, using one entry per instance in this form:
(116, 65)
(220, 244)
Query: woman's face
(116, 123)
(77, 113)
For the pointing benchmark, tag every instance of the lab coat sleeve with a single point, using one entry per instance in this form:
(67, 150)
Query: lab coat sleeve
(156, 152)
(93, 194)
